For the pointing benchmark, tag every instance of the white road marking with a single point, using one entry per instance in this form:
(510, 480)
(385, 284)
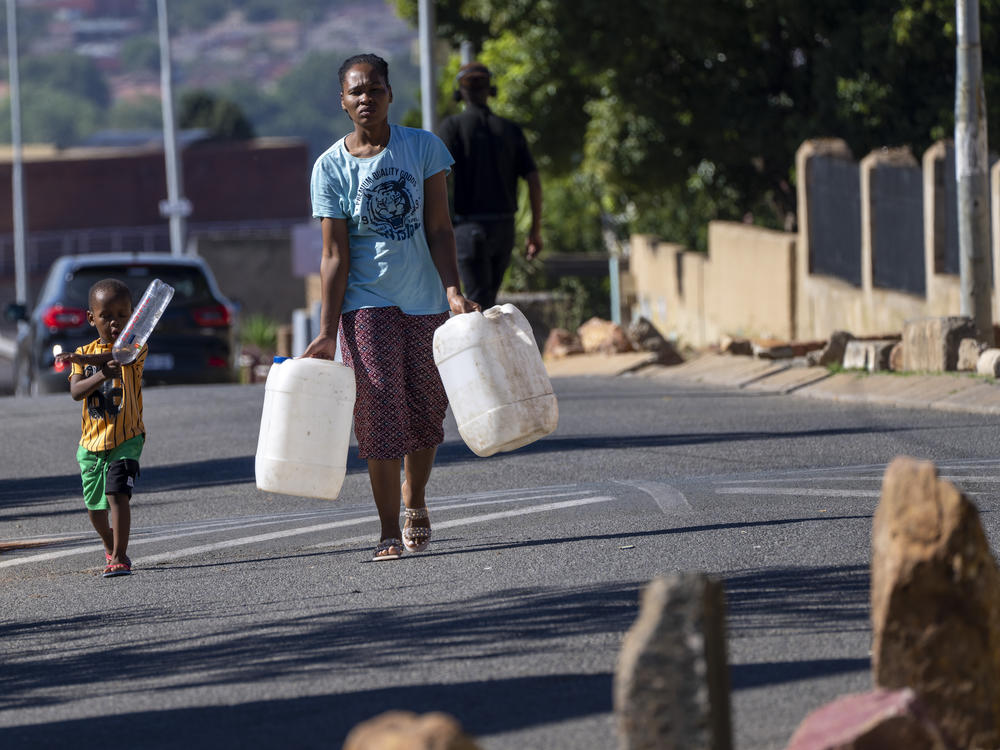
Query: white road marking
(667, 497)
(980, 479)
(795, 491)
(142, 539)
(479, 519)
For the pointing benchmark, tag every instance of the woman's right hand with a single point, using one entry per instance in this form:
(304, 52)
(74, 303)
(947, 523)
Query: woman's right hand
(460, 304)
(322, 347)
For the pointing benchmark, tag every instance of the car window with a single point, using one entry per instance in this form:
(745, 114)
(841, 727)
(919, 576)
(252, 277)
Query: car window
(189, 283)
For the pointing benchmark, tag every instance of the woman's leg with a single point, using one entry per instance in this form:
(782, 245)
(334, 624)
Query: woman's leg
(417, 471)
(121, 525)
(384, 476)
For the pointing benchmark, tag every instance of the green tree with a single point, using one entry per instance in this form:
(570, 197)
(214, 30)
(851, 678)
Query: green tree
(65, 72)
(222, 117)
(140, 54)
(52, 117)
(143, 113)
(689, 110)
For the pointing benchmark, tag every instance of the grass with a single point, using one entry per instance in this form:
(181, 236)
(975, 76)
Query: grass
(261, 333)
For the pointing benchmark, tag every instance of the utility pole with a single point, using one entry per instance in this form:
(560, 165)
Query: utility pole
(175, 207)
(972, 173)
(17, 168)
(428, 89)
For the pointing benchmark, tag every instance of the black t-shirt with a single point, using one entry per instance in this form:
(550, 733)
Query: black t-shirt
(490, 153)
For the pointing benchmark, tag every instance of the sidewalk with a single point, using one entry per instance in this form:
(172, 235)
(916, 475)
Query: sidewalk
(961, 392)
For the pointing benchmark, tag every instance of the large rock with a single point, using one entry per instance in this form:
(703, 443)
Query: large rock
(931, 344)
(871, 355)
(935, 603)
(402, 730)
(671, 689)
(603, 337)
(833, 352)
(561, 343)
(968, 354)
(988, 363)
(645, 338)
(879, 720)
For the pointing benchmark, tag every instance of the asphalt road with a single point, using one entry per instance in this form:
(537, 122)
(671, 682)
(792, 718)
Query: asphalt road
(258, 620)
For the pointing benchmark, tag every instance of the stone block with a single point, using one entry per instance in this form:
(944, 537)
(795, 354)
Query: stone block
(877, 720)
(402, 730)
(645, 338)
(729, 345)
(833, 352)
(896, 357)
(935, 603)
(968, 354)
(599, 336)
(561, 343)
(872, 356)
(988, 363)
(931, 344)
(671, 688)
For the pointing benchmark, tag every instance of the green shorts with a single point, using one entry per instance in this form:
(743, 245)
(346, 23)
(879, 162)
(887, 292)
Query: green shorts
(112, 471)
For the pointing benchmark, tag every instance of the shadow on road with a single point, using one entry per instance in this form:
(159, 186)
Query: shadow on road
(337, 641)
(240, 469)
(484, 708)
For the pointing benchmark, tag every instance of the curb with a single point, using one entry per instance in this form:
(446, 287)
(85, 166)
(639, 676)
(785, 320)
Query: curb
(955, 392)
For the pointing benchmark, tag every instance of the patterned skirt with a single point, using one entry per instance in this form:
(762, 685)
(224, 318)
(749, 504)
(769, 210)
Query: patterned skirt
(401, 402)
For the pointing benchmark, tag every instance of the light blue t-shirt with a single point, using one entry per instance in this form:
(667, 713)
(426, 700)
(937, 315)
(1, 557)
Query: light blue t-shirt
(382, 198)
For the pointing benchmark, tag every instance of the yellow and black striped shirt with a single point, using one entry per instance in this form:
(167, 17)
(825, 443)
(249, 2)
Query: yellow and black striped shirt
(112, 414)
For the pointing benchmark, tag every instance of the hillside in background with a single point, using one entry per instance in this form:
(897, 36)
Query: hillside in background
(93, 65)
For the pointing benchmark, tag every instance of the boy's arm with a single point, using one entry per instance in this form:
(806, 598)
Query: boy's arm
(84, 359)
(81, 386)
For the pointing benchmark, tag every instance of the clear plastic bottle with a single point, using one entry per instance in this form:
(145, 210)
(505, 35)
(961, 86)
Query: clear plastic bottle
(144, 318)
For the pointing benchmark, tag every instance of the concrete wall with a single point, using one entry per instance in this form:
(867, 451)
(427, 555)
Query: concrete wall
(743, 287)
(256, 272)
(874, 248)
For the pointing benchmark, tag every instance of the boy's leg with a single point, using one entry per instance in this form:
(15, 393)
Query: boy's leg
(119, 483)
(121, 524)
(99, 520)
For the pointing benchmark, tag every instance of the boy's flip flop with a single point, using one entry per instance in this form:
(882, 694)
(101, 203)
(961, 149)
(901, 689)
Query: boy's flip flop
(108, 558)
(116, 569)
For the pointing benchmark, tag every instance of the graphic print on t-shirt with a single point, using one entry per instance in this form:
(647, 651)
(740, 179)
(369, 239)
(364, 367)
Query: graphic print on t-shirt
(387, 205)
(106, 401)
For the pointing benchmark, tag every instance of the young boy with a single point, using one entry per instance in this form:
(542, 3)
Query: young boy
(112, 429)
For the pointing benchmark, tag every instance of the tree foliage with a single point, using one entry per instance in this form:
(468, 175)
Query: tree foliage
(221, 117)
(693, 109)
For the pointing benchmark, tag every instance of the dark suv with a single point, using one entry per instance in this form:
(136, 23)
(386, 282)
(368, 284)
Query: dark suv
(194, 342)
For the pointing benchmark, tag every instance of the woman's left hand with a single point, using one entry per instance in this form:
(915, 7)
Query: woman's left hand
(459, 304)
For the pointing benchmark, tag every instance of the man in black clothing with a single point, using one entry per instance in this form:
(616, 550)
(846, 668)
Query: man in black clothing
(490, 154)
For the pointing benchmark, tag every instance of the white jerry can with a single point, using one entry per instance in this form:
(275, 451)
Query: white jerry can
(496, 382)
(305, 428)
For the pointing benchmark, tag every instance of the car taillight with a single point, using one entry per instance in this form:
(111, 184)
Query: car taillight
(58, 367)
(213, 316)
(217, 362)
(58, 316)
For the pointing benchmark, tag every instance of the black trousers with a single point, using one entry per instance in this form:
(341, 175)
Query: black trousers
(484, 249)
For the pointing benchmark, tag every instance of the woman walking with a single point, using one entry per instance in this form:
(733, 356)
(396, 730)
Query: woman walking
(389, 278)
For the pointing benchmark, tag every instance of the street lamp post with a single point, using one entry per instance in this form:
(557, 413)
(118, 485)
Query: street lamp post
(971, 173)
(428, 91)
(175, 207)
(17, 170)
